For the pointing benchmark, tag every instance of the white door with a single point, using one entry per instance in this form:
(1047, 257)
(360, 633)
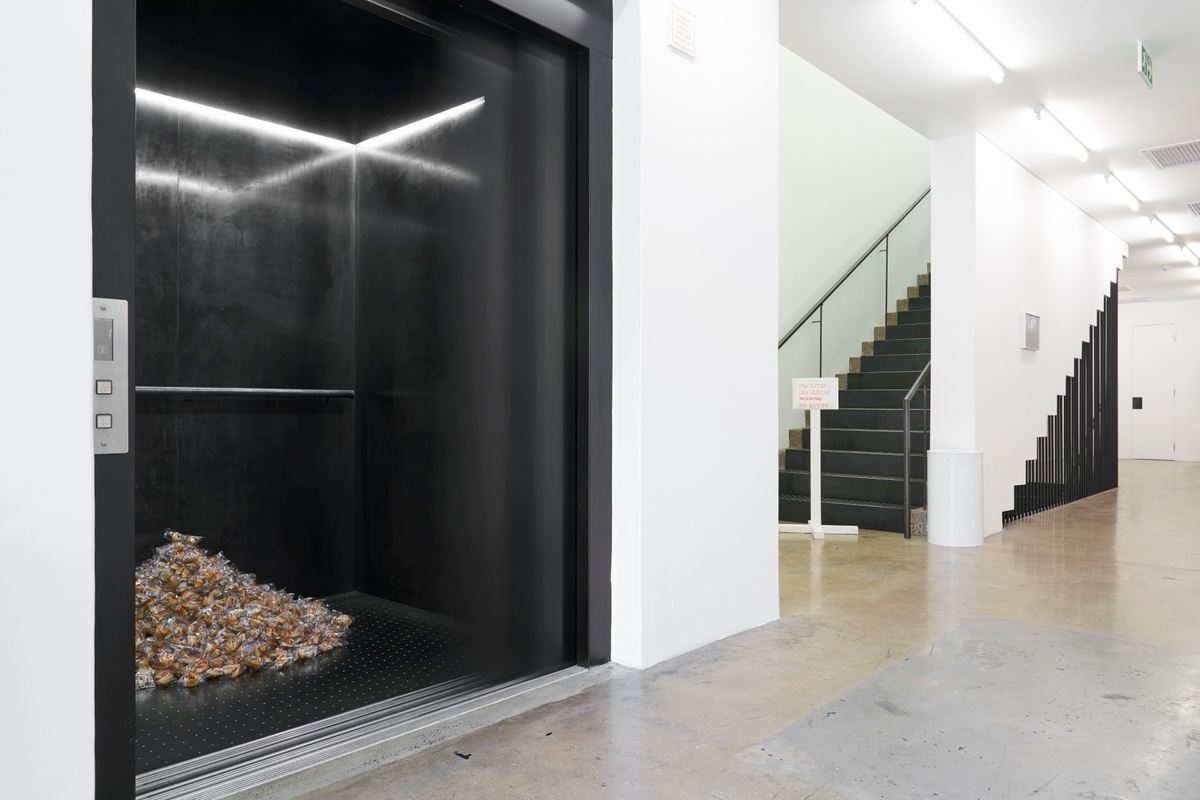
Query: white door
(1152, 426)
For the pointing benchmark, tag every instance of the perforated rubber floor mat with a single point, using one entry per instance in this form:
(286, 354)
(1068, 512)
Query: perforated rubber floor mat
(392, 650)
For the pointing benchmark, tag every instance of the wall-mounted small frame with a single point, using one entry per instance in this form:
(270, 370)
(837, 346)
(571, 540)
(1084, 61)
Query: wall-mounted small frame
(1031, 332)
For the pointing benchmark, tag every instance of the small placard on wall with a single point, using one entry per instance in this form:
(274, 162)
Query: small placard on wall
(1031, 332)
(683, 30)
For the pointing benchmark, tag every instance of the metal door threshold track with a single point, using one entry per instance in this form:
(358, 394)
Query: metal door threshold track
(387, 728)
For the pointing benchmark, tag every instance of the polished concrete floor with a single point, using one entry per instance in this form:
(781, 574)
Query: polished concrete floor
(1121, 566)
(1007, 709)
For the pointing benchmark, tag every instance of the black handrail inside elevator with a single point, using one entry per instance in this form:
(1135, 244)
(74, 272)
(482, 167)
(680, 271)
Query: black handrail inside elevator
(224, 391)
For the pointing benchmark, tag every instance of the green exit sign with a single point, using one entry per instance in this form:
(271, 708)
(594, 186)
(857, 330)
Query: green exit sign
(1145, 66)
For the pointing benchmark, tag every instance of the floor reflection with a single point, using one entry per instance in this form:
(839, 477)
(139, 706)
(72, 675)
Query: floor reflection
(1123, 565)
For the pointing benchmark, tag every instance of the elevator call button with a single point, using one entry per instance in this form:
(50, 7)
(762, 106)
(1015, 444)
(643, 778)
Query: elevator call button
(111, 398)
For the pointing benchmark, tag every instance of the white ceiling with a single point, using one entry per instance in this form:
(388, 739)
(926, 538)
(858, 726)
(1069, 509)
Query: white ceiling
(1078, 58)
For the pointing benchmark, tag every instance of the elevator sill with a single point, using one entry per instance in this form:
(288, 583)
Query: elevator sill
(379, 737)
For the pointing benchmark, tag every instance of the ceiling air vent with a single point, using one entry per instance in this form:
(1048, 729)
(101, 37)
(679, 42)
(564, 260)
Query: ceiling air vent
(1124, 287)
(1193, 207)
(1140, 300)
(1174, 155)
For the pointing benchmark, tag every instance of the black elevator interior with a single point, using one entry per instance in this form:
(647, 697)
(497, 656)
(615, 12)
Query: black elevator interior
(355, 316)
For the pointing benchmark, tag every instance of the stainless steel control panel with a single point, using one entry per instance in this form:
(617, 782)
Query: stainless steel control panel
(110, 378)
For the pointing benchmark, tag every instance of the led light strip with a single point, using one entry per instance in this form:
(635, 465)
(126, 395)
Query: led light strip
(392, 137)
(422, 125)
(1122, 191)
(230, 118)
(989, 64)
(1073, 145)
(1161, 229)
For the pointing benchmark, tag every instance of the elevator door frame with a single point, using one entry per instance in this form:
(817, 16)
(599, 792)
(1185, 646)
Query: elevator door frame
(114, 72)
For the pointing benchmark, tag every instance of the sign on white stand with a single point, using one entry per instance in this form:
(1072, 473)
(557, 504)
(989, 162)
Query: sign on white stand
(815, 394)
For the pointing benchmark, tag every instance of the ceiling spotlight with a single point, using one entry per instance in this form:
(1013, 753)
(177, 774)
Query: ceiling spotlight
(988, 63)
(1065, 137)
(1119, 189)
(1165, 267)
(1190, 255)
(1162, 230)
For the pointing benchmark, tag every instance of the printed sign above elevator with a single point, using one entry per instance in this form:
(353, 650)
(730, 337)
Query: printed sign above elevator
(683, 30)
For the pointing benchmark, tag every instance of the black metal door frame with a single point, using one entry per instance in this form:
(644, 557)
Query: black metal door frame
(586, 26)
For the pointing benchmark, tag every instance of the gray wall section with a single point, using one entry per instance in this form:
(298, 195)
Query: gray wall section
(250, 244)
(459, 237)
(467, 361)
(245, 278)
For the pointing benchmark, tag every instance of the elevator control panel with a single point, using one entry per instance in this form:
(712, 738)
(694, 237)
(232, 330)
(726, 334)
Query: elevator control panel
(110, 381)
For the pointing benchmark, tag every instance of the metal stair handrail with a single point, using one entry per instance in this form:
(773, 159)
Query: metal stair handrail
(850, 271)
(922, 380)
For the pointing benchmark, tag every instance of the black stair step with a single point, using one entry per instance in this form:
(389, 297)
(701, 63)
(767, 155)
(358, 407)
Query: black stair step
(865, 440)
(873, 516)
(899, 347)
(877, 398)
(881, 380)
(911, 362)
(837, 486)
(887, 419)
(923, 291)
(913, 317)
(919, 303)
(920, 331)
(851, 462)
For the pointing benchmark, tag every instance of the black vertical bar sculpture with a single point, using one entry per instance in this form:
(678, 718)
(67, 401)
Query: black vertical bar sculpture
(1060, 467)
(1078, 455)
(1089, 414)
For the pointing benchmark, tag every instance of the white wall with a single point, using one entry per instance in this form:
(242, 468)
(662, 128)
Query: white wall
(695, 279)
(847, 171)
(46, 522)
(1185, 316)
(1004, 243)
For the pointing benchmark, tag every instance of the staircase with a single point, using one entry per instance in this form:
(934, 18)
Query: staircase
(862, 442)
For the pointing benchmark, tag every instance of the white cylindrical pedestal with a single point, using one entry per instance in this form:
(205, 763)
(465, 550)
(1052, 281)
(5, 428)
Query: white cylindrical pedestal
(955, 499)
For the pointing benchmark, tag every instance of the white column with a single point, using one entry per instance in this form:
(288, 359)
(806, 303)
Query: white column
(955, 502)
(695, 294)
